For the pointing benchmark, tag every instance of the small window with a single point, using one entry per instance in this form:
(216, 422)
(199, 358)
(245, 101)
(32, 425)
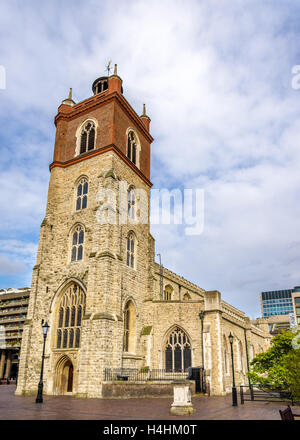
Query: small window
(131, 203)
(87, 138)
(82, 191)
(186, 297)
(129, 327)
(77, 244)
(130, 250)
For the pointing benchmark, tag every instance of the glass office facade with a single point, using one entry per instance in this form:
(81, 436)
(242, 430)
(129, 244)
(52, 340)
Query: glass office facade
(277, 302)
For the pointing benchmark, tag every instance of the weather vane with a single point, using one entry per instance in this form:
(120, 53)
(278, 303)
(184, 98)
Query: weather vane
(108, 68)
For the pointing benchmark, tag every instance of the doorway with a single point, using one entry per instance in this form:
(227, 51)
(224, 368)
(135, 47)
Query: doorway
(64, 377)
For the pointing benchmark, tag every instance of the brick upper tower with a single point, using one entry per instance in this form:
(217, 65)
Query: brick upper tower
(114, 115)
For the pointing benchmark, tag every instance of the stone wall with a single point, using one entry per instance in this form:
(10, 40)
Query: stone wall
(137, 390)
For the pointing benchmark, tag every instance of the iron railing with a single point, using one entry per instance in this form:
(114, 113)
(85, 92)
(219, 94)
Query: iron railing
(144, 375)
(136, 375)
(264, 393)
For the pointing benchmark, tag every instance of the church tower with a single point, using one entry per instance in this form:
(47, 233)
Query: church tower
(95, 255)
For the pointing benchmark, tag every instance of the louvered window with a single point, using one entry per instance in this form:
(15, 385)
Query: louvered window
(131, 147)
(87, 138)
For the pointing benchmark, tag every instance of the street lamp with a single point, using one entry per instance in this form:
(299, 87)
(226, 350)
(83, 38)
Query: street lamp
(234, 395)
(39, 397)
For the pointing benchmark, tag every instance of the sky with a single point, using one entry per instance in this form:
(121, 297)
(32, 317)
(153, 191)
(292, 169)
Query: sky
(216, 77)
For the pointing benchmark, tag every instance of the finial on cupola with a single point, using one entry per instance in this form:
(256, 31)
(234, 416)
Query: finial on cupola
(69, 100)
(115, 70)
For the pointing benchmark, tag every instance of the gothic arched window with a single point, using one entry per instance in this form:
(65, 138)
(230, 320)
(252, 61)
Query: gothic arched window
(130, 250)
(82, 190)
(168, 292)
(178, 351)
(71, 303)
(77, 243)
(131, 203)
(132, 147)
(129, 327)
(87, 137)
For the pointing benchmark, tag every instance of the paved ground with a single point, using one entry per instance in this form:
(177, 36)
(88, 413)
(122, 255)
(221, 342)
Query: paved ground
(68, 408)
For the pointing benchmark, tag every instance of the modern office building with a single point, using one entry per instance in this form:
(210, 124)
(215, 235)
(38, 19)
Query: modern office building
(281, 308)
(276, 302)
(13, 312)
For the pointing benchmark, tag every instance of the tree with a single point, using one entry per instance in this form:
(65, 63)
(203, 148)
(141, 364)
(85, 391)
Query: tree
(279, 366)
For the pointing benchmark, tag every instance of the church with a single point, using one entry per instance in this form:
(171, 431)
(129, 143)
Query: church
(108, 304)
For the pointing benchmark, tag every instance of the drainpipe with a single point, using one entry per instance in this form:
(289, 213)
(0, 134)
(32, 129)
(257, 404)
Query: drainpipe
(247, 356)
(161, 278)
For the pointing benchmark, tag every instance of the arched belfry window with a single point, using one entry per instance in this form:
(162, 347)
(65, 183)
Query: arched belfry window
(82, 191)
(129, 327)
(131, 203)
(178, 351)
(77, 243)
(132, 147)
(87, 137)
(69, 312)
(130, 257)
(100, 86)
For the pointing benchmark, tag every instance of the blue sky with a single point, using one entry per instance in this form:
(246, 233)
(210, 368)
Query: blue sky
(216, 78)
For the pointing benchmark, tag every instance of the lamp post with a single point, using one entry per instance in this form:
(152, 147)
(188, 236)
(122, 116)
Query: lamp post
(39, 397)
(234, 395)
